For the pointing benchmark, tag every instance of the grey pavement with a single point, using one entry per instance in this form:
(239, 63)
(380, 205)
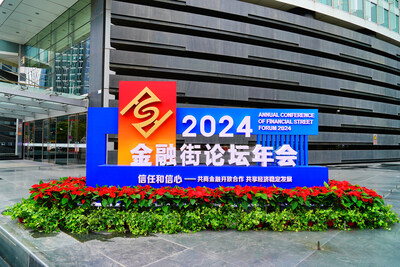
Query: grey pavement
(206, 248)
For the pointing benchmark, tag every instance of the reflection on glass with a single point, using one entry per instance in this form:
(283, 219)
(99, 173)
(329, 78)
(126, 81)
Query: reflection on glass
(81, 139)
(341, 4)
(45, 42)
(371, 11)
(326, 2)
(73, 139)
(48, 58)
(78, 20)
(382, 12)
(357, 8)
(46, 141)
(26, 140)
(52, 140)
(37, 144)
(62, 140)
(385, 18)
(31, 139)
(45, 32)
(59, 21)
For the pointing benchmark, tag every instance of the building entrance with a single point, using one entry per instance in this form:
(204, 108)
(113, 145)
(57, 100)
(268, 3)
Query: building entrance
(60, 140)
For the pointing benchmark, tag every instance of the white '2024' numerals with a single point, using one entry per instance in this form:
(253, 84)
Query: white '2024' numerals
(244, 126)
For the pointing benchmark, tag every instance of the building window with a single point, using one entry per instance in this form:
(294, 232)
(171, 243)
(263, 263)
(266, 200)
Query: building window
(326, 2)
(371, 11)
(357, 8)
(385, 18)
(341, 4)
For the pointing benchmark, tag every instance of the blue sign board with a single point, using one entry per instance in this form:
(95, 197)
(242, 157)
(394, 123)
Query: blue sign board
(284, 143)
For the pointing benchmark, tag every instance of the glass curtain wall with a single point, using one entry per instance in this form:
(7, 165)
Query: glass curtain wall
(81, 150)
(29, 140)
(46, 140)
(60, 140)
(341, 4)
(326, 2)
(57, 58)
(8, 128)
(52, 138)
(383, 12)
(76, 137)
(371, 11)
(38, 138)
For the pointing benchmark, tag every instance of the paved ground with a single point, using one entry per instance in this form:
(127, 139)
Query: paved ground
(207, 248)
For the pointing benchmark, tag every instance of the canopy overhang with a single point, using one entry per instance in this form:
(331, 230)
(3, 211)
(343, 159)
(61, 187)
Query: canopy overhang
(29, 103)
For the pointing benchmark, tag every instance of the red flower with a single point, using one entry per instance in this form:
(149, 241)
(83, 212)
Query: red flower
(249, 196)
(37, 196)
(66, 187)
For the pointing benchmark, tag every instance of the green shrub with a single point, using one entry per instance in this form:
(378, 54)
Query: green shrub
(84, 220)
(68, 204)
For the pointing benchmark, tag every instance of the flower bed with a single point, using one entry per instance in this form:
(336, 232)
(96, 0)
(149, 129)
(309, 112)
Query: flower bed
(69, 204)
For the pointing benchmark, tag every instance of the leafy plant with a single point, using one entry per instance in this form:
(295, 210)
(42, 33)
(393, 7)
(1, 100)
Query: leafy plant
(69, 204)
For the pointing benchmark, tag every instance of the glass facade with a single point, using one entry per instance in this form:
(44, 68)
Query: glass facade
(341, 4)
(57, 58)
(371, 12)
(383, 12)
(60, 140)
(326, 2)
(357, 8)
(8, 73)
(7, 136)
(4, 68)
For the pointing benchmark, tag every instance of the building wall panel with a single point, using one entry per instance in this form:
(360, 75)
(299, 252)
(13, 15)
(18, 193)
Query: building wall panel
(237, 54)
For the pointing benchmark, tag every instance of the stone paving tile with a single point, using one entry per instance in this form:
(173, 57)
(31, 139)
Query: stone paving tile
(359, 248)
(77, 255)
(376, 247)
(223, 244)
(191, 240)
(190, 257)
(136, 251)
(261, 248)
